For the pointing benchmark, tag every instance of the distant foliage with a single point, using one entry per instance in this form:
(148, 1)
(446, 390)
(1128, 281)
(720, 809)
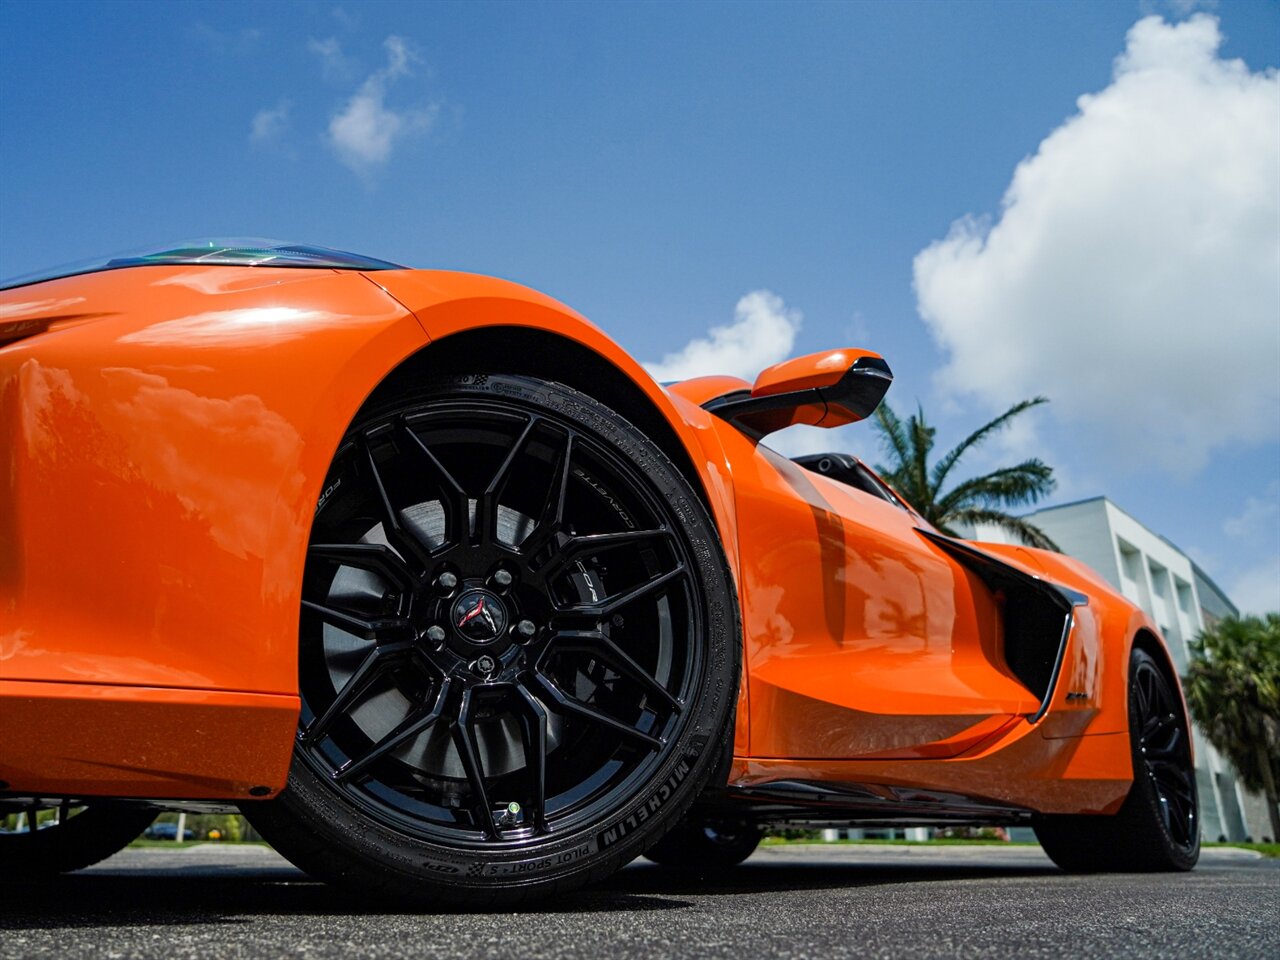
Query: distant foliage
(1233, 690)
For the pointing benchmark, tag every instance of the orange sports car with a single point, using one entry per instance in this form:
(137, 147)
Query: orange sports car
(428, 577)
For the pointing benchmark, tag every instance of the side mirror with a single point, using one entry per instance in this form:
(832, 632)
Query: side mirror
(826, 389)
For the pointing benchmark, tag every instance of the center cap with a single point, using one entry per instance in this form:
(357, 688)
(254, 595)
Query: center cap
(479, 616)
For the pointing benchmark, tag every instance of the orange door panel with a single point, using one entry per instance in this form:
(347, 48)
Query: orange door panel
(862, 639)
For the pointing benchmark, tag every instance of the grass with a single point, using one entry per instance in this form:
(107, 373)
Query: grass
(947, 841)
(1266, 849)
(178, 844)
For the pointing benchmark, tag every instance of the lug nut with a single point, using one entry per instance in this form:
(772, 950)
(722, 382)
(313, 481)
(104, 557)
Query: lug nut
(435, 633)
(526, 629)
(447, 582)
(501, 579)
(485, 664)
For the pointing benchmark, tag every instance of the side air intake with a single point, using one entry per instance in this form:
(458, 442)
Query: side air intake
(1037, 617)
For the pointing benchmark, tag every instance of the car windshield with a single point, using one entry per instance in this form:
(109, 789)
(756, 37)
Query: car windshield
(239, 251)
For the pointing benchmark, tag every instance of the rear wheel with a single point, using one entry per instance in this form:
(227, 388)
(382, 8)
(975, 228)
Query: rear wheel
(518, 655)
(1158, 826)
(48, 838)
(707, 844)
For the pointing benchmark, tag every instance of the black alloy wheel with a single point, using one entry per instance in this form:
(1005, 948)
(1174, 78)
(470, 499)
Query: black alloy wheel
(1158, 826)
(515, 627)
(41, 838)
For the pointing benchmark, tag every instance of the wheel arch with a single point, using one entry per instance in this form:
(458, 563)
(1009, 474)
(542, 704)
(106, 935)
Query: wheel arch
(1149, 641)
(483, 324)
(527, 351)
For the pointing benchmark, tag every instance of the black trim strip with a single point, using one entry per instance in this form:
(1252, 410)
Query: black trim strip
(801, 800)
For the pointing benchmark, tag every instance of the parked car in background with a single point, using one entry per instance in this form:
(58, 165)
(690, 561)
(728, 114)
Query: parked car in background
(167, 831)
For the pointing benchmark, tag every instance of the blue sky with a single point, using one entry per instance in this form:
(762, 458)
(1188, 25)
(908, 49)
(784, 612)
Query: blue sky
(652, 164)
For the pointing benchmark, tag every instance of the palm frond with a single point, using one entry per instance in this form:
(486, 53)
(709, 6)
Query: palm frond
(908, 445)
(892, 438)
(943, 467)
(921, 435)
(1016, 486)
(1024, 530)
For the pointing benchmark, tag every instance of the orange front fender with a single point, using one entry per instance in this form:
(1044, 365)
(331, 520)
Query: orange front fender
(161, 461)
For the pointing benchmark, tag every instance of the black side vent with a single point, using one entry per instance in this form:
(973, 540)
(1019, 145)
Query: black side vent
(1037, 617)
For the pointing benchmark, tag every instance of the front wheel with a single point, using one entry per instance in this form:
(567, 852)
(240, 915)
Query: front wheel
(518, 649)
(1158, 826)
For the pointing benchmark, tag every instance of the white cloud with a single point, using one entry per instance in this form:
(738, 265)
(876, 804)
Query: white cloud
(268, 124)
(1259, 516)
(1133, 274)
(1257, 591)
(336, 64)
(762, 333)
(348, 21)
(365, 130)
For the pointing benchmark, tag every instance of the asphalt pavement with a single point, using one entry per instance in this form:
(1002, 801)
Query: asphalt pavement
(820, 901)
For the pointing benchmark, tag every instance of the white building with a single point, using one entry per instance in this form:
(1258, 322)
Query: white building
(1182, 600)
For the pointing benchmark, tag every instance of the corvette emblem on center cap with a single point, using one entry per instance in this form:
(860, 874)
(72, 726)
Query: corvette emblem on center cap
(479, 616)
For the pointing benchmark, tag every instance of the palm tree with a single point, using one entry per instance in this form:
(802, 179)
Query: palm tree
(977, 500)
(1233, 689)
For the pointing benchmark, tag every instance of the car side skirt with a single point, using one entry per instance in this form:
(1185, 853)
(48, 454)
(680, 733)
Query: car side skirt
(86, 740)
(1017, 769)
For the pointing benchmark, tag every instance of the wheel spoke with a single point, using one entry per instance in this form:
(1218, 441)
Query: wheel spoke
(405, 731)
(464, 739)
(579, 708)
(486, 526)
(1156, 724)
(1179, 807)
(368, 671)
(457, 508)
(1143, 693)
(1171, 749)
(603, 648)
(351, 623)
(373, 557)
(392, 526)
(575, 547)
(1170, 772)
(1179, 790)
(551, 519)
(606, 608)
(533, 727)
